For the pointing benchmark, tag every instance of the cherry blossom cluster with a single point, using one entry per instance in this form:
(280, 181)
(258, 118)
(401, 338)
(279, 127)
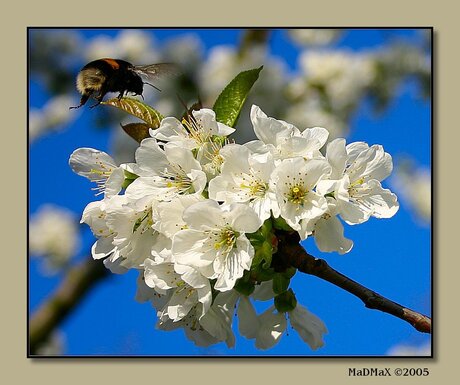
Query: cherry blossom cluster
(197, 216)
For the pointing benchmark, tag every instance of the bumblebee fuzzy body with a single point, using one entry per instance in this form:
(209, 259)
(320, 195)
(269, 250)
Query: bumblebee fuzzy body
(101, 76)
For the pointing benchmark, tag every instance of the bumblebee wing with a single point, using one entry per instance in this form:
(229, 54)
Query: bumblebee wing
(159, 70)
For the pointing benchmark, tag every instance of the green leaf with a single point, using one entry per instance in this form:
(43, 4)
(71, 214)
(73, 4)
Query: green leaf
(137, 131)
(280, 224)
(129, 178)
(230, 102)
(262, 256)
(138, 109)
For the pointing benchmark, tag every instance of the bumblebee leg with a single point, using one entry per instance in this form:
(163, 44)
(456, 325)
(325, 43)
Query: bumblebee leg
(95, 105)
(120, 96)
(83, 100)
(99, 100)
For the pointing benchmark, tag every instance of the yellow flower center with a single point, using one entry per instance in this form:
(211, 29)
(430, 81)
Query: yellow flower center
(256, 188)
(196, 131)
(179, 181)
(297, 194)
(226, 239)
(144, 223)
(353, 186)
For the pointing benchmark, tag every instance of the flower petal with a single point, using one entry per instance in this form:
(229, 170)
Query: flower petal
(150, 159)
(88, 161)
(268, 130)
(182, 157)
(248, 324)
(337, 156)
(204, 215)
(188, 248)
(309, 327)
(382, 202)
(318, 135)
(329, 236)
(352, 213)
(243, 218)
(272, 327)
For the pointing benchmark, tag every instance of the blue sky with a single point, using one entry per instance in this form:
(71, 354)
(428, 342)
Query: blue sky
(392, 257)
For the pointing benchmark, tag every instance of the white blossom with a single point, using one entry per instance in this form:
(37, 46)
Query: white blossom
(294, 181)
(413, 184)
(98, 167)
(245, 178)
(53, 236)
(193, 133)
(310, 112)
(357, 170)
(165, 173)
(133, 45)
(327, 230)
(342, 75)
(199, 132)
(309, 327)
(215, 242)
(283, 140)
(124, 228)
(186, 287)
(422, 350)
(185, 212)
(170, 214)
(53, 116)
(212, 327)
(314, 36)
(266, 329)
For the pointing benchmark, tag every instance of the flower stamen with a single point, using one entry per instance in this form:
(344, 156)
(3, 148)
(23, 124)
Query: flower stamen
(296, 194)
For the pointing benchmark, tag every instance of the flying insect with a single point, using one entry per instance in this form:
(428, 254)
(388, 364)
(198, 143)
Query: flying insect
(101, 76)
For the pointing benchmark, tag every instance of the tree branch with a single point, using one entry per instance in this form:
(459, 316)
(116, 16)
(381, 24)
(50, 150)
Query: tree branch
(79, 280)
(83, 277)
(291, 253)
(252, 38)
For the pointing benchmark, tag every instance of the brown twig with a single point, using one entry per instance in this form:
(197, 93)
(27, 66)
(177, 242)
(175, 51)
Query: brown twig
(252, 38)
(83, 277)
(293, 254)
(79, 280)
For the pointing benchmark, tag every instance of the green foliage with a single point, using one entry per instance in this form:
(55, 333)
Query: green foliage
(137, 131)
(264, 242)
(230, 102)
(263, 255)
(138, 109)
(129, 178)
(261, 274)
(280, 224)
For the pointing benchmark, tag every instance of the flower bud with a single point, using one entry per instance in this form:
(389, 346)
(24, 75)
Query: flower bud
(286, 301)
(244, 287)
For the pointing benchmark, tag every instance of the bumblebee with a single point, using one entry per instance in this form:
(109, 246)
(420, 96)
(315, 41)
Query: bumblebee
(101, 76)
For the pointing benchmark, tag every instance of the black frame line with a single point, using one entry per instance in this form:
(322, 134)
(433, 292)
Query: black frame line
(433, 222)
